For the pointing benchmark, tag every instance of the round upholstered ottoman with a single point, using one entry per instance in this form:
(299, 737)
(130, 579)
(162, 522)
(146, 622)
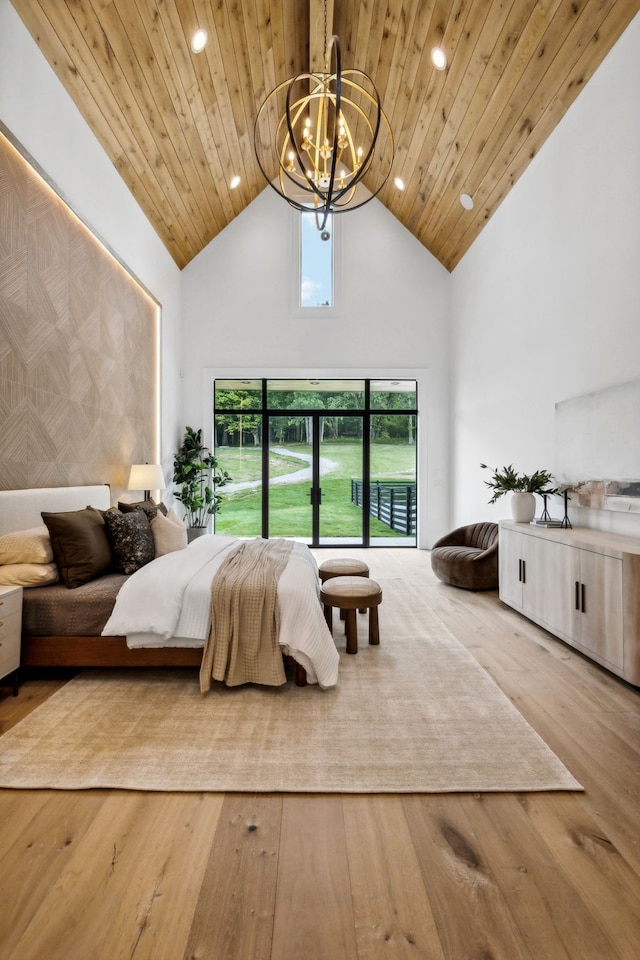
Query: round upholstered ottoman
(342, 567)
(351, 594)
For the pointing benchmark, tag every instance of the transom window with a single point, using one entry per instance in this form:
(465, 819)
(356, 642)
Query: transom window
(316, 263)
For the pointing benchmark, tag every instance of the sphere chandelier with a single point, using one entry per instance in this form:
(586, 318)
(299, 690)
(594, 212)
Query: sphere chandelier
(318, 135)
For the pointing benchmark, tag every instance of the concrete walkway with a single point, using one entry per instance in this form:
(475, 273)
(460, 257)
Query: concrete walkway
(298, 476)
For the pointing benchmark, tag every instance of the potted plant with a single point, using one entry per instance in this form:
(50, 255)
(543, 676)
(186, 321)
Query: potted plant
(197, 473)
(521, 486)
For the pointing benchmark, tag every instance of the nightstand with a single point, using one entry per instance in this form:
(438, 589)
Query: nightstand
(10, 630)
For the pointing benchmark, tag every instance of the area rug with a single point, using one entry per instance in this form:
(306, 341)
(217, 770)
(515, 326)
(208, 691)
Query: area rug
(415, 715)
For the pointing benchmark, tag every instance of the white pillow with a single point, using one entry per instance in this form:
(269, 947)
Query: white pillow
(26, 546)
(169, 533)
(28, 574)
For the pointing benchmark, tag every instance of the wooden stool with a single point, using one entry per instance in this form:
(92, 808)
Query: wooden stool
(343, 567)
(351, 594)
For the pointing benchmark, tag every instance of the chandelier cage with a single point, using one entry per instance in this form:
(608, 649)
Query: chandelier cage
(317, 136)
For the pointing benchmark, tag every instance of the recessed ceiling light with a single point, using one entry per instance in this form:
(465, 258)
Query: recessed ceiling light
(234, 182)
(439, 58)
(399, 182)
(466, 201)
(199, 40)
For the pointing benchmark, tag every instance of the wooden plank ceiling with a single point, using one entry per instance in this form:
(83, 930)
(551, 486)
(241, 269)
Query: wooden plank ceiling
(179, 125)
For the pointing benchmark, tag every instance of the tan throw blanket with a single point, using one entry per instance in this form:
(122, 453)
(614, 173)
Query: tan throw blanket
(243, 641)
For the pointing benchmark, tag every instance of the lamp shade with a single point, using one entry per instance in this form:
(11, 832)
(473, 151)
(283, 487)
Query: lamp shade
(146, 476)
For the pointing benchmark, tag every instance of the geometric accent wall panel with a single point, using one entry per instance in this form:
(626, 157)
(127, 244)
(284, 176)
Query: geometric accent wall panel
(78, 345)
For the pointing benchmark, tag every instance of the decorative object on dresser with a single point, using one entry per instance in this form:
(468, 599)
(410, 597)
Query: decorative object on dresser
(522, 488)
(582, 585)
(197, 473)
(10, 629)
(566, 523)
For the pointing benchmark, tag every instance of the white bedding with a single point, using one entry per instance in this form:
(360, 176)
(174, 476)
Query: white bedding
(167, 603)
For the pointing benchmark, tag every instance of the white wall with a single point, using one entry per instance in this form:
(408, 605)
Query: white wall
(41, 116)
(546, 304)
(238, 310)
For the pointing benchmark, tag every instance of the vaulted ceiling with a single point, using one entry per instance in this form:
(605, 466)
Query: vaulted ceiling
(178, 125)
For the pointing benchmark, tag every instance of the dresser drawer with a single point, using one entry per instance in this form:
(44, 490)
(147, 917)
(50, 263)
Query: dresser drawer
(9, 643)
(10, 602)
(10, 630)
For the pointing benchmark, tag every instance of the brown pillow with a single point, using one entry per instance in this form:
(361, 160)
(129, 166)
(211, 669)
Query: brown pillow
(149, 506)
(80, 545)
(131, 539)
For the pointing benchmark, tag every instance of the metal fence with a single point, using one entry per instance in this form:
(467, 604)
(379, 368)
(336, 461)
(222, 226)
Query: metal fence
(391, 503)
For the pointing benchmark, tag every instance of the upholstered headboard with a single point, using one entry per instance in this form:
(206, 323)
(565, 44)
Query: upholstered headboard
(20, 509)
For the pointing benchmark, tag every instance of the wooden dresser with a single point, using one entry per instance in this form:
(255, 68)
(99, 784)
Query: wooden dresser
(10, 629)
(582, 585)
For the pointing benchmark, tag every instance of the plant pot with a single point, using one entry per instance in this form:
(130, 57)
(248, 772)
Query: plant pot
(194, 532)
(523, 506)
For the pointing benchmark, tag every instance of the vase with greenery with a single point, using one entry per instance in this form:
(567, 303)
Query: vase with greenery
(197, 474)
(508, 480)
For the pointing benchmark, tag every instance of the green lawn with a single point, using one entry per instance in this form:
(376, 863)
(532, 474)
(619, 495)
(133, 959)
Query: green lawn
(289, 509)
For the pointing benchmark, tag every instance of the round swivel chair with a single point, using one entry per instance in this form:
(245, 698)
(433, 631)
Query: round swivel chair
(468, 557)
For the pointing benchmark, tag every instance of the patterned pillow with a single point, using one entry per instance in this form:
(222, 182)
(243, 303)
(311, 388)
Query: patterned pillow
(131, 539)
(26, 546)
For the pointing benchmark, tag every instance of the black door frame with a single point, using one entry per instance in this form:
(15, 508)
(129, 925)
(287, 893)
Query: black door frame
(365, 414)
(315, 491)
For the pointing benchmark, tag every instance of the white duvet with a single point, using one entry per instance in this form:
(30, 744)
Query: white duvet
(167, 603)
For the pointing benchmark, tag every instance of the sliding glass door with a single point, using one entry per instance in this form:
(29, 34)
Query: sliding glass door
(330, 463)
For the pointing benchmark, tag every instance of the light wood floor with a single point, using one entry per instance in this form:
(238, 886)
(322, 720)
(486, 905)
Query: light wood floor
(104, 875)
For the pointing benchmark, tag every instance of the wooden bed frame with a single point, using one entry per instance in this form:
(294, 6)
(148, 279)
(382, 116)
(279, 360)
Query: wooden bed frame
(113, 652)
(102, 652)
(20, 510)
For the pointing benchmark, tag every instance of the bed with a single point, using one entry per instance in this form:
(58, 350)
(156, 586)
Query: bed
(70, 627)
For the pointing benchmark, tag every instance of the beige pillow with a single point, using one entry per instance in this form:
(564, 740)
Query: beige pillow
(26, 546)
(169, 533)
(28, 574)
